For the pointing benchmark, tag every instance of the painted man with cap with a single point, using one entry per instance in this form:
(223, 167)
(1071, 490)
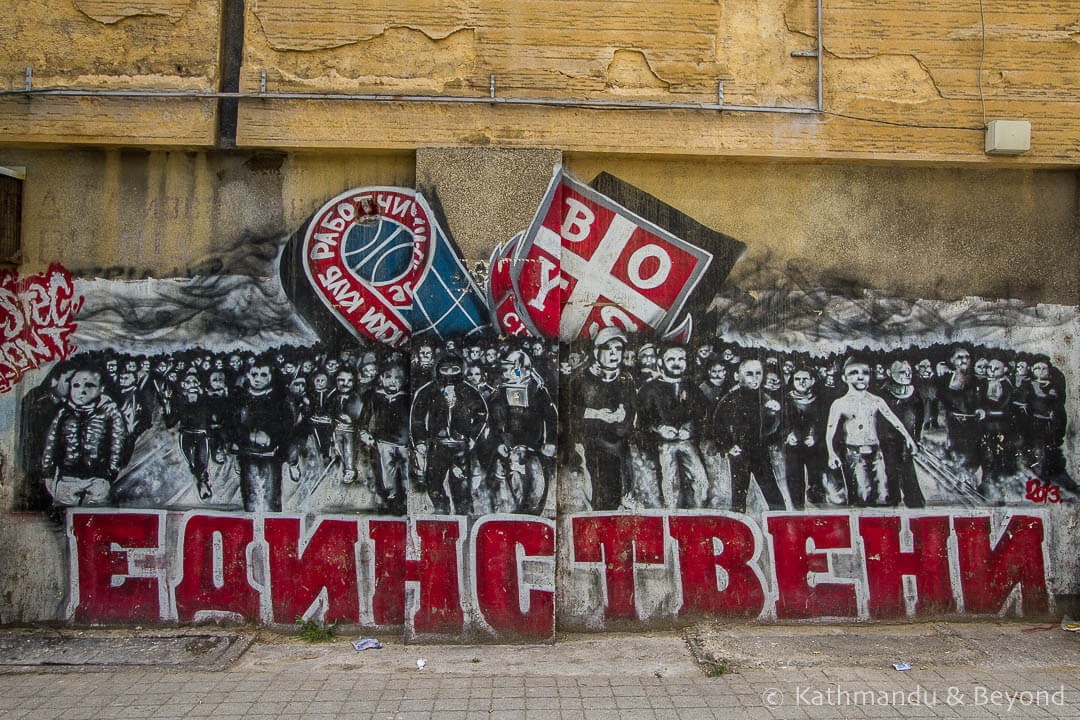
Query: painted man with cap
(604, 411)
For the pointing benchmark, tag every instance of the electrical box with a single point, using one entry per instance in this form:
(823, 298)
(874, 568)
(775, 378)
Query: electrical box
(1008, 137)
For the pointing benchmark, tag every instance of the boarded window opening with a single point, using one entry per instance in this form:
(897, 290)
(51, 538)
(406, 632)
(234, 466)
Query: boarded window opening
(11, 193)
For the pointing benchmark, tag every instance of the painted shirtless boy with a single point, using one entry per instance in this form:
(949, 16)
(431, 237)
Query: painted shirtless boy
(857, 412)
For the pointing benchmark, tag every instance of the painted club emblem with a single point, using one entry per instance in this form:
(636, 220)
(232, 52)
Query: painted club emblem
(384, 268)
(587, 262)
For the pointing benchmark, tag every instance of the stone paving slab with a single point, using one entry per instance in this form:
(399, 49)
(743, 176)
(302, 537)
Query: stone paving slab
(645, 677)
(49, 651)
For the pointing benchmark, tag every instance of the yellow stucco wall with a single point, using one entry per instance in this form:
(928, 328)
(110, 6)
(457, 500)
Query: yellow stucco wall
(896, 62)
(133, 213)
(916, 232)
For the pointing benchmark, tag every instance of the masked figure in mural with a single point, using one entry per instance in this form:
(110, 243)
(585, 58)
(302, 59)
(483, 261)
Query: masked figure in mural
(259, 430)
(670, 410)
(348, 406)
(747, 421)
(447, 419)
(900, 395)
(1046, 408)
(927, 388)
(605, 407)
(84, 443)
(802, 432)
(853, 416)
(384, 425)
(134, 408)
(958, 391)
(523, 423)
(322, 401)
(193, 412)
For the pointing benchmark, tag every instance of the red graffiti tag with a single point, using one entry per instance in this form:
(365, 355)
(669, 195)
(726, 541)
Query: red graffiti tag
(37, 317)
(1041, 492)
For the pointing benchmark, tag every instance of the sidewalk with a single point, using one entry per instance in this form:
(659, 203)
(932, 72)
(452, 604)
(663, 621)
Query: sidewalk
(958, 670)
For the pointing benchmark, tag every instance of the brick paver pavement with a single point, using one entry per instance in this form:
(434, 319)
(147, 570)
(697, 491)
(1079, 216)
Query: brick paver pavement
(323, 693)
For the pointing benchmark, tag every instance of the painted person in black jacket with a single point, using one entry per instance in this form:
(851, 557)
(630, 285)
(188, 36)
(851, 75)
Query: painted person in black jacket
(259, 430)
(604, 415)
(802, 432)
(670, 411)
(747, 420)
(384, 424)
(446, 419)
(84, 444)
(901, 396)
(193, 411)
(524, 425)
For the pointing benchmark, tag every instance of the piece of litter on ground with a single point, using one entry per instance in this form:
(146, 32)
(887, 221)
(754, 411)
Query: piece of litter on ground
(1039, 627)
(366, 644)
(901, 666)
(421, 663)
(1070, 625)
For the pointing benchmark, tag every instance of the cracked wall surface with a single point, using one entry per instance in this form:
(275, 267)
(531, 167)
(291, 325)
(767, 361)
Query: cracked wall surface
(904, 65)
(110, 45)
(103, 43)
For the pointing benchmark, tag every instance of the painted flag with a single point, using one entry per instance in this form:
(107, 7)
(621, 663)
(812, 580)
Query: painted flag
(588, 262)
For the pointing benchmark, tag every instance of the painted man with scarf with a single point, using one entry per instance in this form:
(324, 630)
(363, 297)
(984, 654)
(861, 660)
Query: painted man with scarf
(671, 409)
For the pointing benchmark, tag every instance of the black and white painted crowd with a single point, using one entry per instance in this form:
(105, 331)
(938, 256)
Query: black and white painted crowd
(702, 426)
(473, 427)
(298, 428)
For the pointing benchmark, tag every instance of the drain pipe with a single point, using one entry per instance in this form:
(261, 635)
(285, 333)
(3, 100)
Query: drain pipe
(368, 97)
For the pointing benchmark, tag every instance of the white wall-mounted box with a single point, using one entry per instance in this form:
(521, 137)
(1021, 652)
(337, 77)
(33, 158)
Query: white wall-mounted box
(1008, 137)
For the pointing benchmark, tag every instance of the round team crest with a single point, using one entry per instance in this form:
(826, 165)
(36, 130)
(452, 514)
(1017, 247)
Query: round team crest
(364, 253)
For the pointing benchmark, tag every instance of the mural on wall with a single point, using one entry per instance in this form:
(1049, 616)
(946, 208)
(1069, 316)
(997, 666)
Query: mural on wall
(370, 402)
(713, 424)
(484, 427)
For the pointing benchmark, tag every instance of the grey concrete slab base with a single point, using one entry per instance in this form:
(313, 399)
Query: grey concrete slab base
(102, 651)
(488, 193)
